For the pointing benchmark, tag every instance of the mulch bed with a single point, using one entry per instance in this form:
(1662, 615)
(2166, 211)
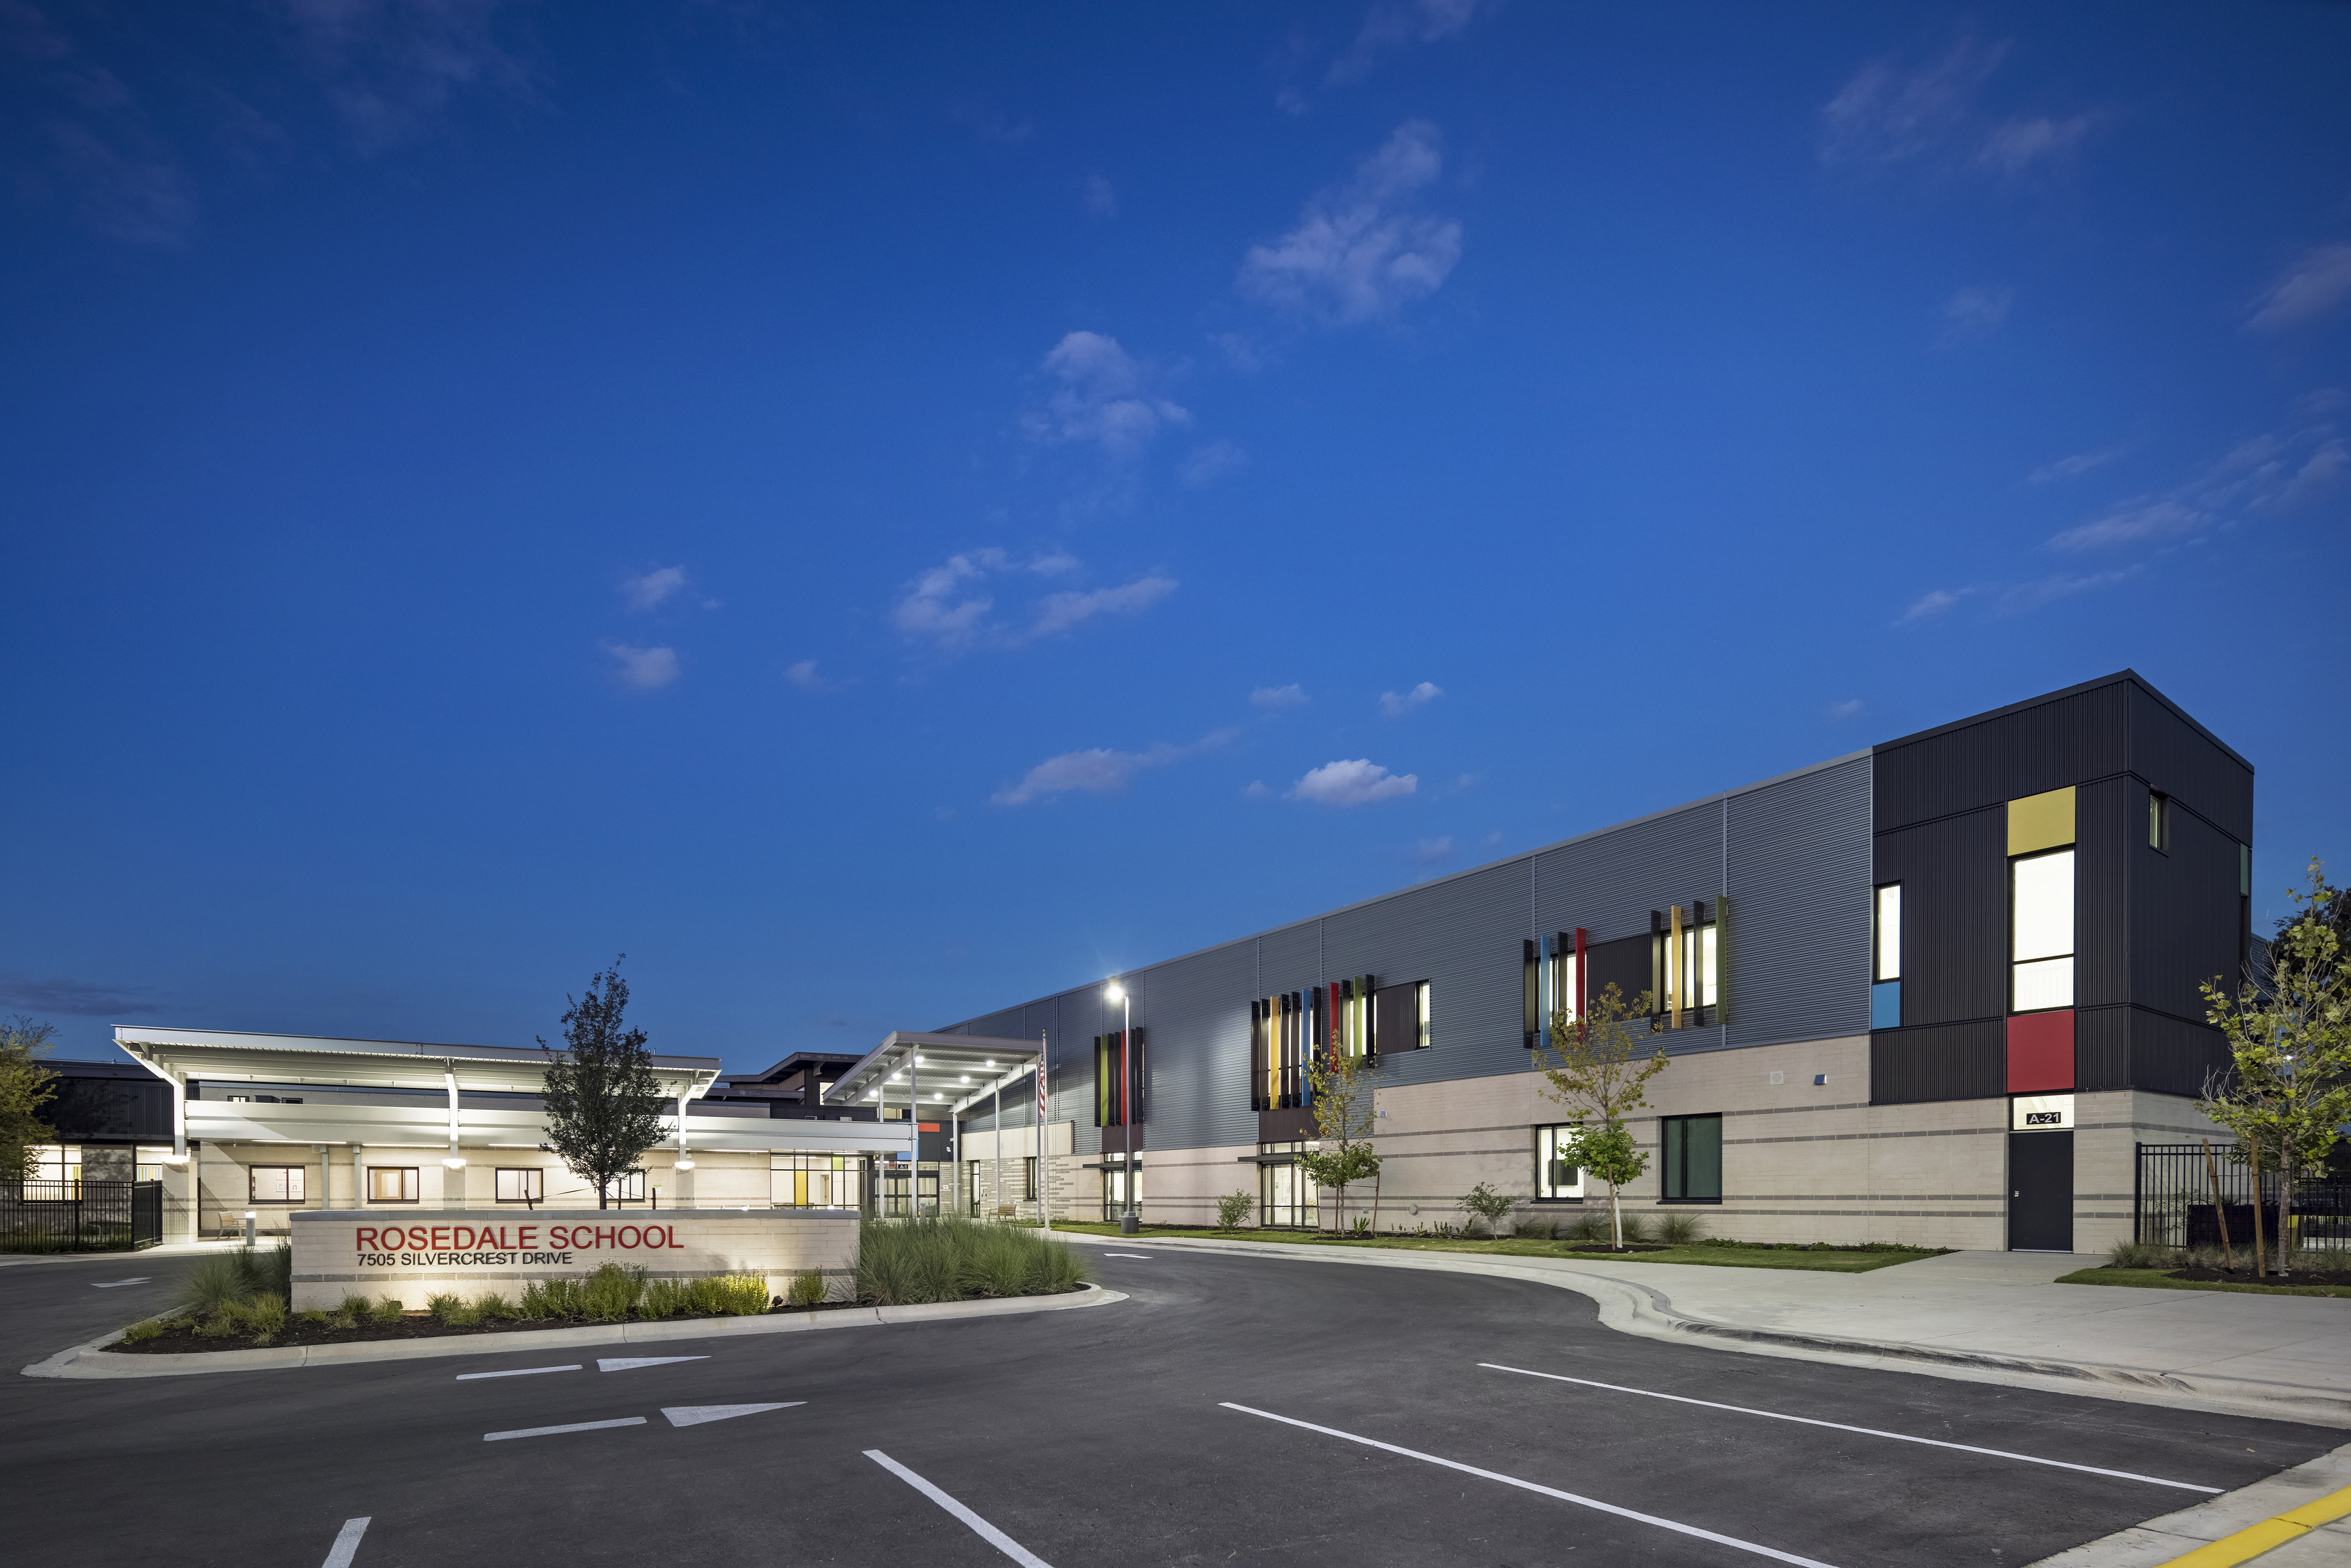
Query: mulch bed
(183, 1342)
(2245, 1276)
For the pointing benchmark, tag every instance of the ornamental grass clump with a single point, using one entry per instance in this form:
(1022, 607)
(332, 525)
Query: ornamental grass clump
(902, 1262)
(609, 1293)
(807, 1289)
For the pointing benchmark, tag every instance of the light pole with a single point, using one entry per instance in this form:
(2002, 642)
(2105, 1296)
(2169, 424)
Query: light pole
(1127, 1223)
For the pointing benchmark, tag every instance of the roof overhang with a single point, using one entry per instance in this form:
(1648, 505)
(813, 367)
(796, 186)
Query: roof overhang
(228, 1056)
(959, 1068)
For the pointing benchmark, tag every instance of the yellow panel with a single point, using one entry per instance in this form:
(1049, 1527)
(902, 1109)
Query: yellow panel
(2041, 821)
(799, 1189)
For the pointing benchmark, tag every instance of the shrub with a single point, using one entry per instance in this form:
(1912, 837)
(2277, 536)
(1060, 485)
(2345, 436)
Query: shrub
(264, 1316)
(388, 1311)
(807, 1289)
(1488, 1205)
(1680, 1228)
(1234, 1208)
(147, 1329)
(666, 1299)
(354, 1310)
(744, 1295)
(1590, 1227)
(315, 1316)
(444, 1305)
(2141, 1255)
(904, 1261)
(218, 1280)
(493, 1305)
(1635, 1228)
(1538, 1226)
(611, 1293)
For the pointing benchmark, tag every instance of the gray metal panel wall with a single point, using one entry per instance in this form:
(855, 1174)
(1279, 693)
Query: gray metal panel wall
(2109, 833)
(2172, 1056)
(1954, 874)
(2101, 1054)
(2185, 914)
(1799, 854)
(1462, 937)
(1193, 1016)
(2177, 758)
(1288, 959)
(1946, 1062)
(2045, 746)
(1608, 884)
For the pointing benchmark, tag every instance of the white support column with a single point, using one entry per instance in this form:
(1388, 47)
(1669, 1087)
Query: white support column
(326, 1175)
(453, 1167)
(359, 1176)
(684, 1163)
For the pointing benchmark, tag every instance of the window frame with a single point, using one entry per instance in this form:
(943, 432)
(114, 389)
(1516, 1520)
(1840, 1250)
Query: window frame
(412, 1183)
(296, 1184)
(1546, 1145)
(2069, 956)
(2159, 821)
(1668, 1177)
(534, 1184)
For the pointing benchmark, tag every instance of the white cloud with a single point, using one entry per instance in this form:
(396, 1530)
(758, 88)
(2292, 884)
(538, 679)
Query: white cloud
(1273, 699)
(2156, 519)
(1355, 783)
(1933, 605)
(1100, 771)
(1888, 114)
(1361, 249)
(803, 675)
(1395, 705)
(1974, 312)
(1428, 852)
(1101, 400)
(2319, 281)
(1257, 790)
(2326, 465)
(2029, 596)
(937, 605)
(1841, 711)
(1398, 23)
(1059, 611)
(2074, 466)
(654, 587)
(642, 669)
(1101, 197)
(1213, 461)
(391, 70)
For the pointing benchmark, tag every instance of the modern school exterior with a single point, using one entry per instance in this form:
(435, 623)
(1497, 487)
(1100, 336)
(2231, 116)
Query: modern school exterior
(1932, 992)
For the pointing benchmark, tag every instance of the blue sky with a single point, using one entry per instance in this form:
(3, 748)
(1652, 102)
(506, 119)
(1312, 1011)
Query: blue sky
(881, 512)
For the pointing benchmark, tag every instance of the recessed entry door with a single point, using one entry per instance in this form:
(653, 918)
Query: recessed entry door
(2040, 1192)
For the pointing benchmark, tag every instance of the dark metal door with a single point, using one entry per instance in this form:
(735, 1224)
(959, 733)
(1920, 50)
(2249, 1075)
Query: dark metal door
(2040, 1192)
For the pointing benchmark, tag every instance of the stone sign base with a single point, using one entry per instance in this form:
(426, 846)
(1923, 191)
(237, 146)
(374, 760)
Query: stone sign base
(411, 1254)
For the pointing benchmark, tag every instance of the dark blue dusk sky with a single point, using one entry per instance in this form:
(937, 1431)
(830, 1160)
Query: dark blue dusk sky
(879, 512)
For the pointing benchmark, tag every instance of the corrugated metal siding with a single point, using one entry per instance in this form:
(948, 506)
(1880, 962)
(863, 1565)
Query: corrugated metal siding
(1951, 1061)
(1954, 874)
(2172, 1056)
(2175, 758)
(2101, 1054)
(2109, 835)
(1288, 960)
(1199, 1056)
(2185, 915)
(1462, 937)
(2044, 746)
(1800, 855)
(1608, 884)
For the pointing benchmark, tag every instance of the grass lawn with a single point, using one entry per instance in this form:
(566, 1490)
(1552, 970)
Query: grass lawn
(2157, 1280)
(1716, 1254)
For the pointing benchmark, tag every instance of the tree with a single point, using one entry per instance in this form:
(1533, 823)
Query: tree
(1342, 1117)
(603, 1102)
(24, 1087)
(1599, 1075)
(1488, 1205)
(2288, 1024)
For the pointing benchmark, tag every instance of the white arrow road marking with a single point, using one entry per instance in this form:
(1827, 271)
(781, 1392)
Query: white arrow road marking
(1841, 1427)
(1143, 1255)
(550, 1431)
(630, 1363)
(695, 1415)
(113, 1284)
(979, 1527)
(347, 1543)
(516, 1372)
(1772, 1552)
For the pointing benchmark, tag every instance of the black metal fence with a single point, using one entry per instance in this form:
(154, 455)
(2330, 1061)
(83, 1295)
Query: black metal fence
(80, 1215)
(2180, 1199)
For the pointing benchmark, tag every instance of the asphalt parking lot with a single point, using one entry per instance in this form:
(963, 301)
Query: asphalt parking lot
(1235, 1409)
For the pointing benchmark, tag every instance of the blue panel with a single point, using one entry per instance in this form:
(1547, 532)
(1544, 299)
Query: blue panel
(1885, 1005)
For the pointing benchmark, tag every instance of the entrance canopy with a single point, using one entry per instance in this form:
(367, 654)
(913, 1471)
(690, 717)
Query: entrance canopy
(228, 1056)
(951, 1072)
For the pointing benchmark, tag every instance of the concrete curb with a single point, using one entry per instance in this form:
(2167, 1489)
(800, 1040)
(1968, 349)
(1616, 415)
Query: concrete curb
(2167, 1539)
(1638, 1307)
(93, 1360)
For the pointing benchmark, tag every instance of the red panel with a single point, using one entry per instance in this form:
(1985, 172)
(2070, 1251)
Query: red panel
(2041, 1053)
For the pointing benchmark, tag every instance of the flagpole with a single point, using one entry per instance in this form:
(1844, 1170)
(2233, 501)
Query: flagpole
(1044, 1182)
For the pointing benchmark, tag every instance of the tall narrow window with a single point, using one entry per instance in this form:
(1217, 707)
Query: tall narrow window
(2159, 821)
(2043, 925)
(1691, 1165)
(1885, 960)
(1557, 1180)
(1685, 965)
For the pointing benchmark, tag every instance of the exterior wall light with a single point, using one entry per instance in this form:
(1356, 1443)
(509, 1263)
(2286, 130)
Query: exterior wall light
(683, 1166)
(454, 1163)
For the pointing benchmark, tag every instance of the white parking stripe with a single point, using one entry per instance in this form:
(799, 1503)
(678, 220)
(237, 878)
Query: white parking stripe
(347, 1543)
(1865, 1431)
(516, 1372)
(1145, 1256)
(1679, 1529)
(550, 1431)
(630, 1363)
(979, 1527)
(118, 1284)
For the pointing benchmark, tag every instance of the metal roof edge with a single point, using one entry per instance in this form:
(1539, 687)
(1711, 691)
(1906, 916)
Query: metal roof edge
(127, 1036)
(2119, 677)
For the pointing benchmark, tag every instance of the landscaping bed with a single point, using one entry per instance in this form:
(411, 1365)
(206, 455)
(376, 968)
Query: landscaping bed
(2207, 1279)
(1819, 1257)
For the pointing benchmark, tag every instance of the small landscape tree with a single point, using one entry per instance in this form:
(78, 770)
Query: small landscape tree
(603, 1102)
(1233, 1209)
(1488, 1205)
(2288, 1088)
(1598, 1067)
(24, 1087)
(1342, 1116)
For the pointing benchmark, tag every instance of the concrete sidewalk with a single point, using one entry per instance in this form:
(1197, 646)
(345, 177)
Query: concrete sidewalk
(1993, 1317)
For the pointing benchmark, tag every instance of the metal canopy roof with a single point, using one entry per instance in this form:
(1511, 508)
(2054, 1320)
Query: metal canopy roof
(178, 1055)
(957, 1067)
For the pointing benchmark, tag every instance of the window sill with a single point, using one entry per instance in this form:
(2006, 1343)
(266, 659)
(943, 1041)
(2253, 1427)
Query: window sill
(1687, 1202)
(1557, 1202)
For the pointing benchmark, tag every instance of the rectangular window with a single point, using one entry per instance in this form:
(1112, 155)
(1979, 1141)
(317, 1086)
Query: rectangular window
(1885, 957)
(2042, 932)
(1115, 1178)
(1400, 1018)
(629, 1186)
(1286, 1198)
(1684, 964)
(274, 1183)
(521, 1185)
(392, 1184)
(1028, 1178)
(1556, 1180)
(2159, 821)
(1691, 1162)
(1530, 984)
